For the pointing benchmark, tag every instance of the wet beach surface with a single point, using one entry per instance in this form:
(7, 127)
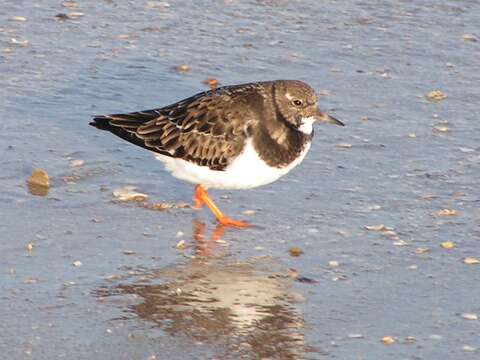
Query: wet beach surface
(385, 211)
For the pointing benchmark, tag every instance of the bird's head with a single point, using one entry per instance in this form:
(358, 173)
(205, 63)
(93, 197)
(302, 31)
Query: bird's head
(297, 103)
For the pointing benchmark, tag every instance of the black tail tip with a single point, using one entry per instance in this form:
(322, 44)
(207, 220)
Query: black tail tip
(100, 122)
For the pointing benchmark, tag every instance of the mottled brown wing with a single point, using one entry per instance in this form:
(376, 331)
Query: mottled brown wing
(208, 129)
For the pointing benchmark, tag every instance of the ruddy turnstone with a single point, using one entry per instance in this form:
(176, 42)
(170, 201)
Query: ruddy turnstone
(232, 137)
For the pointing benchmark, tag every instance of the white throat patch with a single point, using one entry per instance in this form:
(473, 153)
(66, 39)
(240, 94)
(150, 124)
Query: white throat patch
(307, 125)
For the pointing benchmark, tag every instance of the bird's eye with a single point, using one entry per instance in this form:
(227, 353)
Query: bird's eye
(297, 102)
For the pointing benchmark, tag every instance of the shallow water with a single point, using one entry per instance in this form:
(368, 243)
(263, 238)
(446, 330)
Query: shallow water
(239, 294)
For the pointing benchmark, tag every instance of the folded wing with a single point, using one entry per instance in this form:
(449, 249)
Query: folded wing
(206, 129)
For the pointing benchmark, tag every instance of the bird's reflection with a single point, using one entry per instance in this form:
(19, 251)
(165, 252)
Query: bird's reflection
(242, 307)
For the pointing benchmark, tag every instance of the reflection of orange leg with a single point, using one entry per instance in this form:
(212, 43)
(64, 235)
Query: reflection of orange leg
(204, 246)
(201, 198)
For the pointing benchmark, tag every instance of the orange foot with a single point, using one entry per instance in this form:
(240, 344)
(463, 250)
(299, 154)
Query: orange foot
(226, 221)
(200, 198)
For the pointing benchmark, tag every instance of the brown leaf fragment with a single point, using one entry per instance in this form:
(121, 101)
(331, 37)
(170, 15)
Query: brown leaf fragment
(295, 251)
(211, 82)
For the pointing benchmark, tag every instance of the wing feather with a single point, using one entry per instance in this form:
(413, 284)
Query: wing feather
(207, 129)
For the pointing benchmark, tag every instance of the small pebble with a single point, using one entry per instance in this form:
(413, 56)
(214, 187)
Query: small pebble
(75, 14)
(380, 227)
(77, 263)
(410, 339)
(62, 17)
(471, 261)
(181, 245)
(128, 193)
(77, 163)
(445, 212)
(412, 135)
(183, 68)
(447, 245)
(441, 128)
(129, 252)
(344, 145)
(421, 250)
(388, 340)
(469, 348)
(470, 38)
(469, 316)
(333, 264)
(157, 206)
(179, 234)
(69, 4)
(18, 18)
(29, 247)
(435, 95)
(21, 43)
(248, 212)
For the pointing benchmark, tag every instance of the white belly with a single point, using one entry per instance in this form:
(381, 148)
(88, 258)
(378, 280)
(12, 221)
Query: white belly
(248, 170)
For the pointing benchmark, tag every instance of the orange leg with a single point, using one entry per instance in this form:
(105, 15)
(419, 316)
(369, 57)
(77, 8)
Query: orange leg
(200, 198)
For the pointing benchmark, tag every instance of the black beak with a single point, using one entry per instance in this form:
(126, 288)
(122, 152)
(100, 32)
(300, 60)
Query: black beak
(321, 116)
